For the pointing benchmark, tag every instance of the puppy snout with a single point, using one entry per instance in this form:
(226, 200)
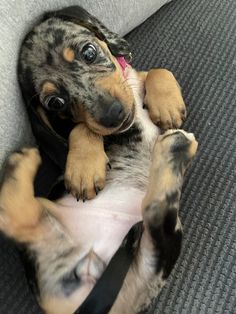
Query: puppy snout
(113, 115)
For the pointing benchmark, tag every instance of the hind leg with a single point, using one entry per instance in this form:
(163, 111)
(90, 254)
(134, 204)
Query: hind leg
(20, 211)
(172, 155)
(160, 244)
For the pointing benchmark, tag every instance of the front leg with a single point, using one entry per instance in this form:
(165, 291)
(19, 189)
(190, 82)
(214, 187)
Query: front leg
(86, 163)
(163, 98)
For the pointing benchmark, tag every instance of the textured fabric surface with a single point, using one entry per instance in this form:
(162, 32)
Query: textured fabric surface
(16, 18)
(195, 40)
(15, 294)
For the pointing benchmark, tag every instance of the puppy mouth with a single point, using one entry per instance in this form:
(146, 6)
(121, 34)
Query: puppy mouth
(127, 123)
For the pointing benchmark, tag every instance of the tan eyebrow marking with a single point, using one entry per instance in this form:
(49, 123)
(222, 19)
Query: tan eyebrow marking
(48, 88)
(69, 54)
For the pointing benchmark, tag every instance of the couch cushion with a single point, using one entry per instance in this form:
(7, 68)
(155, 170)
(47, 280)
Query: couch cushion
(16, 18)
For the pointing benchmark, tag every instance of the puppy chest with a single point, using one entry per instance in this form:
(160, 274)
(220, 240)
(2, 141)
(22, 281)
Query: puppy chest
(99, 225)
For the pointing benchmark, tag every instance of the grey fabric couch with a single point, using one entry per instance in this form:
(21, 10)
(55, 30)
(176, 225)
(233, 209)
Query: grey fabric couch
(196, 40)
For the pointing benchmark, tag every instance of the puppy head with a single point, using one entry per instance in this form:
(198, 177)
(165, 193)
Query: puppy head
(68, 67)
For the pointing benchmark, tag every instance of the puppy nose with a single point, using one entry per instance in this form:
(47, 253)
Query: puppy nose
(113, 116)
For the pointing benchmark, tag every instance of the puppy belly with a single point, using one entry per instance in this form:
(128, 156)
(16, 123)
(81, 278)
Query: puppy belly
(99, 225)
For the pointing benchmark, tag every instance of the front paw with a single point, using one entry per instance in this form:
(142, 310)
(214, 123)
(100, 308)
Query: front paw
(167, 115)
(163, 99)
(85, 175)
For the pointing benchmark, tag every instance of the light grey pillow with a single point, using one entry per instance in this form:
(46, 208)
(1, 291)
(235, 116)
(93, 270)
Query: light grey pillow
(16, 18)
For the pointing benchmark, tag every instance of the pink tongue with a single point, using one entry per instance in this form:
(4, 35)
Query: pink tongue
(122, 62)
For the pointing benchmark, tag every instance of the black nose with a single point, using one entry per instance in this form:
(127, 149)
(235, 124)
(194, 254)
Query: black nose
(113, 115)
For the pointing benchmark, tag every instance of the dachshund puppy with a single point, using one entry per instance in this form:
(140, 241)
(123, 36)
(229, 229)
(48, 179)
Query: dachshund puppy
(75, 79)
(73, 74)
(73, 242)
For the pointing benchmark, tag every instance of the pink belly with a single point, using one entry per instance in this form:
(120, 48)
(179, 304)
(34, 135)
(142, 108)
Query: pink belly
(100, 225)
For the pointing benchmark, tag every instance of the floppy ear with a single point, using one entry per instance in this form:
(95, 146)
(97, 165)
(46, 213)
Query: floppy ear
(76, 14)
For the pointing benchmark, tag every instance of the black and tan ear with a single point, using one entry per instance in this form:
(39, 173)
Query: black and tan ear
(76, 14)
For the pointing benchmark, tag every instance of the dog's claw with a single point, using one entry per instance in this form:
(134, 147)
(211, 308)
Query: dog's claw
(77, 197)
(97, 189)
(144, 106)
(84, 195)
(109, 165)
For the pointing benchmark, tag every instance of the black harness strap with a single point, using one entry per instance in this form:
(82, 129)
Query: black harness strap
(105, 291)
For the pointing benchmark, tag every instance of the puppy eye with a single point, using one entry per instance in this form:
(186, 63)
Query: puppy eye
(89, 53)
(54, 103)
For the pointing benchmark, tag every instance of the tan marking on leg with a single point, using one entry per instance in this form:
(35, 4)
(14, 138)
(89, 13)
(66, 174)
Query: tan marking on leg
(162, 178)
(163, 99)
(69, 54)
(21, 211)
(158, 187)
(86, 163)
(193, 148)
